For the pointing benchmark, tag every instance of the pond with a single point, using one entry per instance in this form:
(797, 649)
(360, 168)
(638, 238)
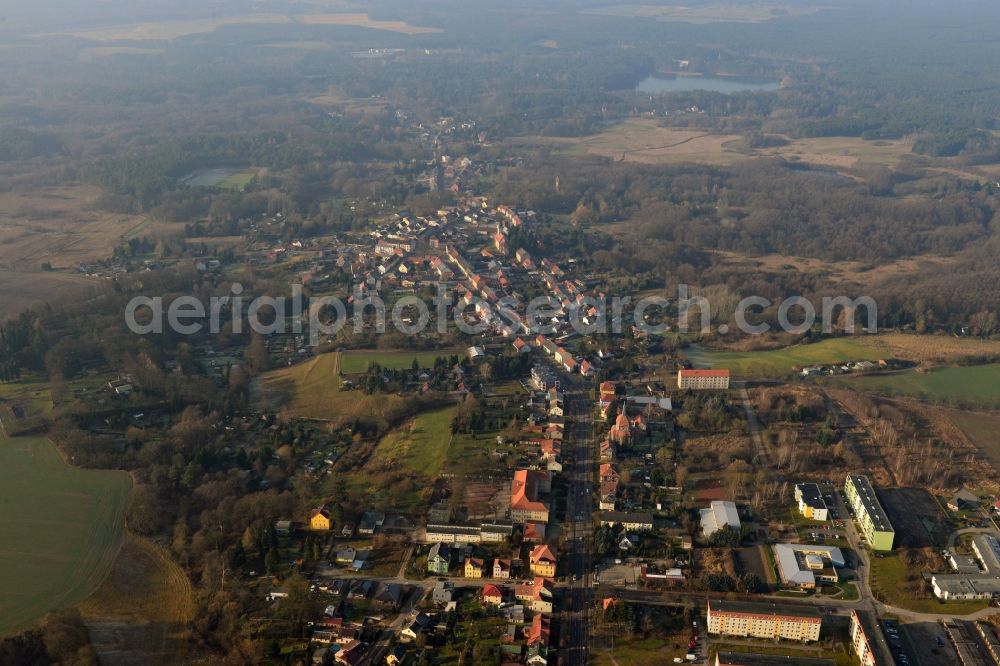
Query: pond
(656, 85)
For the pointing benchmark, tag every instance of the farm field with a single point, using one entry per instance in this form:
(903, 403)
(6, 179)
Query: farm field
(707, 13)
(975, 386)
(782, 362)
(364, 21)
(645, 141)
(142, 610)
(354, 362)
(107, 51)
(943, 348)
(63, 528)
(20, 290)
(313, 390)
(62, 225)
(420, 444)
(170, 30)
(981, 429)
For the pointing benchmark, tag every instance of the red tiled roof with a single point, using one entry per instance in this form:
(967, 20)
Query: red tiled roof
(542, 553)
(524, 491)
(491, 591)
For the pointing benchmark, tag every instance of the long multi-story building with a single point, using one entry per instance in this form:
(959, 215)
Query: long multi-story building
(863, 637)
(871, 518)
(768, 621)
(703, 379)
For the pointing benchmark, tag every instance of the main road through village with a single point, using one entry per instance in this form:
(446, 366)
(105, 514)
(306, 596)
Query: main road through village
(579, 453)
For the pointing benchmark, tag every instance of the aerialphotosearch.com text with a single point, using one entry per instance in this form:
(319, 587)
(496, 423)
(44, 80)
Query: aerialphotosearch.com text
(325, 316)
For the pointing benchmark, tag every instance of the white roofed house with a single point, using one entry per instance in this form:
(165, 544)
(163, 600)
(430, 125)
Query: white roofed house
(718, 515)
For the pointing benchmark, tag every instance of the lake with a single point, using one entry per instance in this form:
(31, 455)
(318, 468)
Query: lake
(656, 85)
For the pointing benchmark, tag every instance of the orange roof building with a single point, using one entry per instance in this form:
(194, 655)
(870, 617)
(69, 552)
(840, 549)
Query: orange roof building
(525, 490)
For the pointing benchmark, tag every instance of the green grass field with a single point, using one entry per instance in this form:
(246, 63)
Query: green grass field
(975, 386)
(982, 430)
(353, 362)
(313, 390)
(32, 395)
(782, 362)
(888, 575)
(840, 658)
(62, 528)
(237, 180)
(420, 445)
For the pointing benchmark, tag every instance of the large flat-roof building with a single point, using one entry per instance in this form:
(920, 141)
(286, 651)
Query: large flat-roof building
(768, 621)
(978, 584)
(965, 586)
(870, 516)
(702, 380)
(803, 566)
(811, 502)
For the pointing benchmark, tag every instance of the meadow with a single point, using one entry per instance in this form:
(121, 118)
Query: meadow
(221, 178)
(935, 348)
(966, 386)
(63, 528)
(32, 398)
(314, 390)
(783, 362)
(420, 445)
(981, 429)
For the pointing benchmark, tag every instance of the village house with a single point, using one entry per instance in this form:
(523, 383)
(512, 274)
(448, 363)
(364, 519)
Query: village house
(420, 624)
(536, 595)
(492, 595)
(321, 518)
(474, 567)
(443, 593)
(542, 561)
(501, 569)
(439, 559)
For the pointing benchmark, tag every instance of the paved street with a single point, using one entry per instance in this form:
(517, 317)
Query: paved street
(577, 596)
